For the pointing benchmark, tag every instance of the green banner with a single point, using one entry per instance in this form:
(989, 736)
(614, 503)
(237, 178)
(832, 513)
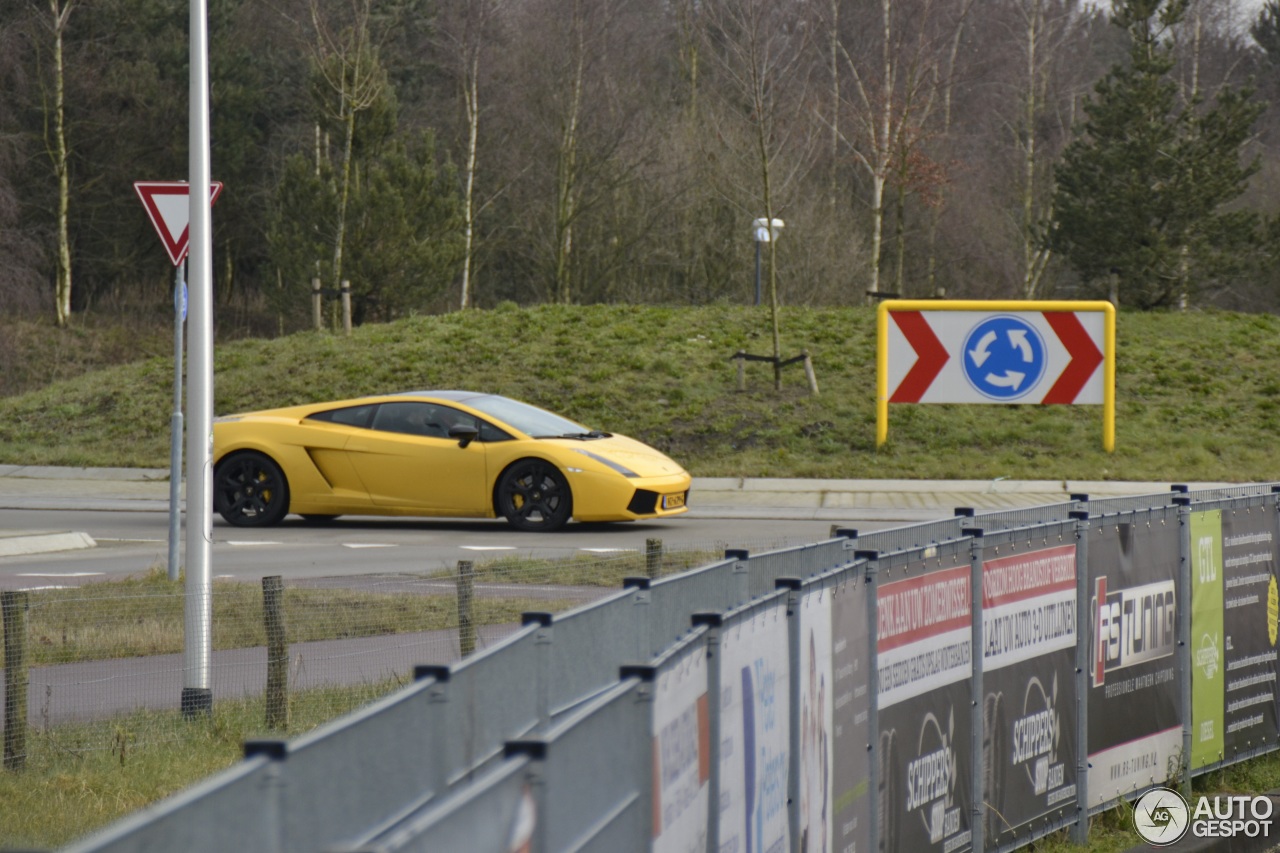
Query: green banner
(1208, 652)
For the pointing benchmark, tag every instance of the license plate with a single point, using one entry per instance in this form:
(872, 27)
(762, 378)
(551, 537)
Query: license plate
(673, 501)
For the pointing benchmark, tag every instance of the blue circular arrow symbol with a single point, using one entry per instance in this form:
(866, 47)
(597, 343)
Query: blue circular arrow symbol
(1004, 357)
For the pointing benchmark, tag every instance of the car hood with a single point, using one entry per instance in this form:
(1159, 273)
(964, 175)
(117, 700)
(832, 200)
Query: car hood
(636, 457)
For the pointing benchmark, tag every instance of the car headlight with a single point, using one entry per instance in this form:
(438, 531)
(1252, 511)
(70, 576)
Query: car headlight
(621, 469)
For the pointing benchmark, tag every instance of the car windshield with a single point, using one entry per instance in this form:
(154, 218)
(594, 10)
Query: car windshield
(530, 420)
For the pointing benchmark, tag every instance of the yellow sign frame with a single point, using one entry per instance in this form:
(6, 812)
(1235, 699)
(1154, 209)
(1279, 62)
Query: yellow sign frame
(1108, 350)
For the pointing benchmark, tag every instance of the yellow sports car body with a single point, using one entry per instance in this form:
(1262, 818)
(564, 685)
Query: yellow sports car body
(435, 453)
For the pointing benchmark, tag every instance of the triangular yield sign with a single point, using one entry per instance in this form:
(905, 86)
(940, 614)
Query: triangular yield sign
(167, 203)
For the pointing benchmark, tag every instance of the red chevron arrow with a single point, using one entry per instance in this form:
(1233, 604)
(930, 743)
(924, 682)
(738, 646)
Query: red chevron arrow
(931, 355)
(1085, 357)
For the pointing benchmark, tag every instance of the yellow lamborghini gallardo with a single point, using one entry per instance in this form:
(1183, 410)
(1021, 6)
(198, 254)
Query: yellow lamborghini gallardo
(435, 453)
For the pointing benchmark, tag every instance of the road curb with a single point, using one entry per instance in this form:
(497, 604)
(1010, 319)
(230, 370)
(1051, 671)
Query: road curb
(27, 543)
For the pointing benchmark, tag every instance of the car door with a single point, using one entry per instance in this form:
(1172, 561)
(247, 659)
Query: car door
(407, 459)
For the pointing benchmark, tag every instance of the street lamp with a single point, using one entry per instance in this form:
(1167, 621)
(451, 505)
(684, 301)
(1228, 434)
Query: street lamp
(764, 231)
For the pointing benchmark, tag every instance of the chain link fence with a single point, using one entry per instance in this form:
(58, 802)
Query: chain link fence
(100, 666)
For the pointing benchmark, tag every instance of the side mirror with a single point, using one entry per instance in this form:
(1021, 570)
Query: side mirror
(465, 433)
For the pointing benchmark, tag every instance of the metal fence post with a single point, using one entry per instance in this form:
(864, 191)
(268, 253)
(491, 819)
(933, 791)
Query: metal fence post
(535, 749)
(647, 674)
(977, 704)
(542, 677)
(794, 641)
(741, 571)
(872, 579)
(278, 752)
(713, 621)
(641, 597)
(1084, 633)
(1183, 504)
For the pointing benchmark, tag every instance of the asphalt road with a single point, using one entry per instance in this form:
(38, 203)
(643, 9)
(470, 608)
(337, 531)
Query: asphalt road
(62, 526)
(128, 542)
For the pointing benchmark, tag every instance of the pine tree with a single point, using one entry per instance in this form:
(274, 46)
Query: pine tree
(1266, 31)
(1140, 193)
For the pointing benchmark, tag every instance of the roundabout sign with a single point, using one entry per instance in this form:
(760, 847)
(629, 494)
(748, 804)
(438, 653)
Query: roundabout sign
(998, 352)
(1004, 358)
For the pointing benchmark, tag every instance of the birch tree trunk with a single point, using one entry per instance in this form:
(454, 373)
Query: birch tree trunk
(60, 155)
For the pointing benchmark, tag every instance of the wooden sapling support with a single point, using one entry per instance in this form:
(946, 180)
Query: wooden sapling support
(742, 357)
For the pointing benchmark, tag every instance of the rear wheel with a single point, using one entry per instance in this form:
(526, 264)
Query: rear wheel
(534, 495)
(250, 490)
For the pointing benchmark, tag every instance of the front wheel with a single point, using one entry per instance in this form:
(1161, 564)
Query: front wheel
(249, 490)
(534, 495)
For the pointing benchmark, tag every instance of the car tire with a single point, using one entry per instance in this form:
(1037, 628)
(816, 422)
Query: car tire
(250, 490)
(533, 495)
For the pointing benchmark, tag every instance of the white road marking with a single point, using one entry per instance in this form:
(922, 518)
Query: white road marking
(368, 545)
(59, 574)
(39, 588)
(609, 550)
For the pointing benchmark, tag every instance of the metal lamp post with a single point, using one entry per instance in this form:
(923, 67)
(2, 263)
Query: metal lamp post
(764, 231)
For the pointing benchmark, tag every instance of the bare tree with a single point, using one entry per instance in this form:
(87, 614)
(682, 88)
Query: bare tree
(467, 30)
(896, 78)
(759, 49)
(1046, 24)
(347, 62)
(59, 155)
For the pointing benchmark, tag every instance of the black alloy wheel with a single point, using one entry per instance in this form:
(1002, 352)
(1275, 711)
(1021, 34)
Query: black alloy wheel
(534, 495)
(250, 490)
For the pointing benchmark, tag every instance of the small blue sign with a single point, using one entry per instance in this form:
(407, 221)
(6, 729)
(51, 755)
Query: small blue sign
(1004, 357)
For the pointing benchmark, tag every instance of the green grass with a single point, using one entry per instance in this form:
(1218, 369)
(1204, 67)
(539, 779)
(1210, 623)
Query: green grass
(72, 784)
(1197, 394)
(144, 616)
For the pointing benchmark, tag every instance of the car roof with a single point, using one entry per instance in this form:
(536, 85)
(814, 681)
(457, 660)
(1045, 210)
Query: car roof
(456, 396)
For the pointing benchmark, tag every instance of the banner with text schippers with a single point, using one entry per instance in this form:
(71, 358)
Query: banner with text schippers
(1234, 609)
(681, 753)
(835, 704)
(1028, 662)
(924, 672)
(755, 730)
(1135, 724)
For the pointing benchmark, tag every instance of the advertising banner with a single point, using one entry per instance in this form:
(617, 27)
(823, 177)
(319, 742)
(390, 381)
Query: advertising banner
(1233, 633)
(835, 707)
(1028, 651)
(1135, 727)
(681, 754)
(1208, 642)
(925, 667)
(755, 732)
(1251, 605)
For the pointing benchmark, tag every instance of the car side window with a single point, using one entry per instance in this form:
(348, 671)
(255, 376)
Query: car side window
(489, 432)
(356, 416)
(428, 419)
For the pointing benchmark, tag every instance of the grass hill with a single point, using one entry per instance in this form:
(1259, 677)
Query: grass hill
(1198, 394)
